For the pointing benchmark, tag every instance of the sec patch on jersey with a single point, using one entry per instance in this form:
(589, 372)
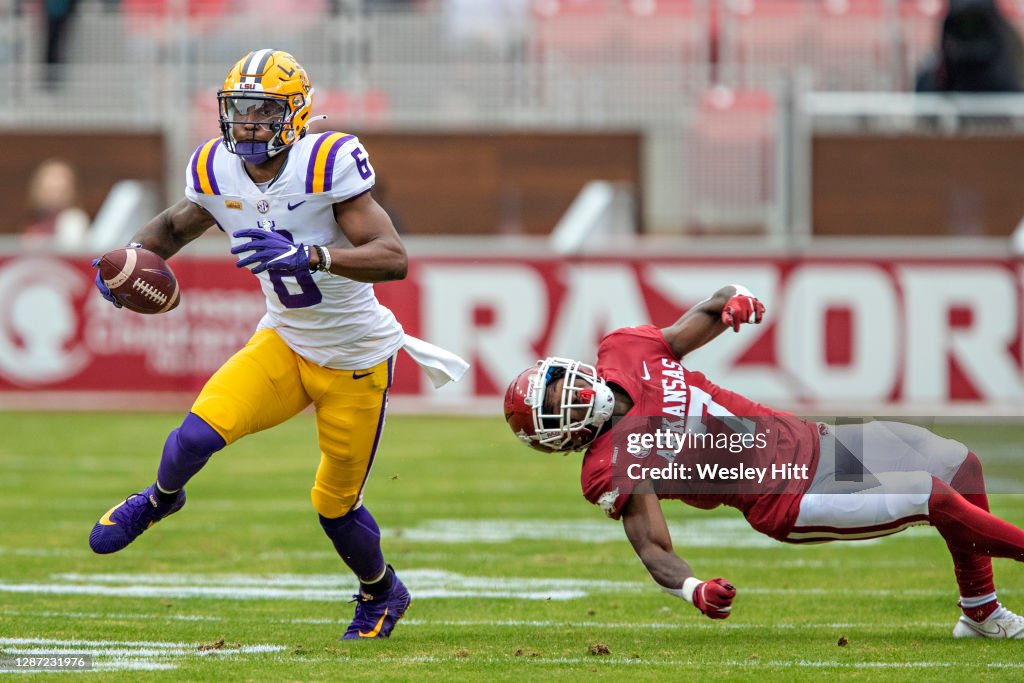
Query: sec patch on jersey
(140, 280)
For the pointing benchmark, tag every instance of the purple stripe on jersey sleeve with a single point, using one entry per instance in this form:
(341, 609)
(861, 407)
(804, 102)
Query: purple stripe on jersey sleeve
(311, 166)
(196, 185)
(329, 170)
(209, 166)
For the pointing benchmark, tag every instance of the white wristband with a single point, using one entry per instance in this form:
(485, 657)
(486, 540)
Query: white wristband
(740, 290)
(686, 592)
(325, 259)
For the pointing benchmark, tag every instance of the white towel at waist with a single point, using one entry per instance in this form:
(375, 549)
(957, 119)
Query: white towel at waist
(440, 365)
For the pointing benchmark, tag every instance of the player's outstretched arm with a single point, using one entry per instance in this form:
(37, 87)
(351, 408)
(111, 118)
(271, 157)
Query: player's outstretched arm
(377, 253)
(173, 228)
(647, 531)
(730, 306)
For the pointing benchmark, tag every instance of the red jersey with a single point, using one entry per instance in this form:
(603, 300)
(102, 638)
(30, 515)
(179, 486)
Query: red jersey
(706, 446)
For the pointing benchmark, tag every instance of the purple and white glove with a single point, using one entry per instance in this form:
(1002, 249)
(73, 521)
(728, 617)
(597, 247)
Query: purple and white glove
(271, 251)
(102, 286)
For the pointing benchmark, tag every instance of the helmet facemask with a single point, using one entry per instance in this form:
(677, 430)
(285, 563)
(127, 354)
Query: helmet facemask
(264, 112)
(584, 404)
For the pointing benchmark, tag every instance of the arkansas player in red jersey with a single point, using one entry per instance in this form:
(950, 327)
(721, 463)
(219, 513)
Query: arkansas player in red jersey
(653, 429)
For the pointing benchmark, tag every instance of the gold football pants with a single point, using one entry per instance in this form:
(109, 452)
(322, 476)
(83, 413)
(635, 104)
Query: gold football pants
(266, 383)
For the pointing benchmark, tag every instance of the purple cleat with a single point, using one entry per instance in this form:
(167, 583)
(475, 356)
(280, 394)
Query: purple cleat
(124, 522)
(376, 616)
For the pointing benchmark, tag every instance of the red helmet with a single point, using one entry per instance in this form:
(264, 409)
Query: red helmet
(555, 429)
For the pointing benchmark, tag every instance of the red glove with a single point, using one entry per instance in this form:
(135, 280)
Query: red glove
(714, 598)
(742, 308)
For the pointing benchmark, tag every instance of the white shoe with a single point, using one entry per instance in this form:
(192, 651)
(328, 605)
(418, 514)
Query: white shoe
(1001, 624)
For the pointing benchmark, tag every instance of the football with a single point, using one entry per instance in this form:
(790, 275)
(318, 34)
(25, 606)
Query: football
(140, 280)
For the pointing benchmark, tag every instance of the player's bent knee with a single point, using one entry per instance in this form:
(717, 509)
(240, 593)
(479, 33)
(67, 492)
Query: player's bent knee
(331, 506)
(971, 466)
(969, 477)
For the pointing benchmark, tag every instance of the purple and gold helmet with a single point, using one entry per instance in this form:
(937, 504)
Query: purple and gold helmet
(271, 89)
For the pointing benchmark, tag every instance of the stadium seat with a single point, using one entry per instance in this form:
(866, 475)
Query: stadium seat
(676, 31)
(148, 16)
(854, 46)
(666, 48)
(733, 158)
(168, 9)
(845, 44)
(347, 109)
(762, 39)
(572, 29)
(151, 26)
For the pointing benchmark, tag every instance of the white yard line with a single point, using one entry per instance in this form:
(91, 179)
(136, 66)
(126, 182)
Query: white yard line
(115, 655)
(438, 582)
(107, 615)
(423, 583)
(424, 578)
(132, 644)
(309, 595)
(120, 664)
(53, 642)
(116, 651)
(710, 532)
(494, 623)
(714, 532)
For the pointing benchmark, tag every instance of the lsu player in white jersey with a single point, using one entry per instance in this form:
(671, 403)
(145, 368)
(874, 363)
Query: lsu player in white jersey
(298, 209)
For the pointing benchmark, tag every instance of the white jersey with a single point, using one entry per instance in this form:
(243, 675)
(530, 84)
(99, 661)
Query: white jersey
(330, 320)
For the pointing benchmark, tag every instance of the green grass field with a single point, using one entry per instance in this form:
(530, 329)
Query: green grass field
(513, 575)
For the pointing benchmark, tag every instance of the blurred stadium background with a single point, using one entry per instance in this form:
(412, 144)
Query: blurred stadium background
(558, 168)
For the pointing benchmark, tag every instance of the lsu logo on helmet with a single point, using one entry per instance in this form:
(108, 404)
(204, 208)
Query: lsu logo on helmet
(269, 90)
